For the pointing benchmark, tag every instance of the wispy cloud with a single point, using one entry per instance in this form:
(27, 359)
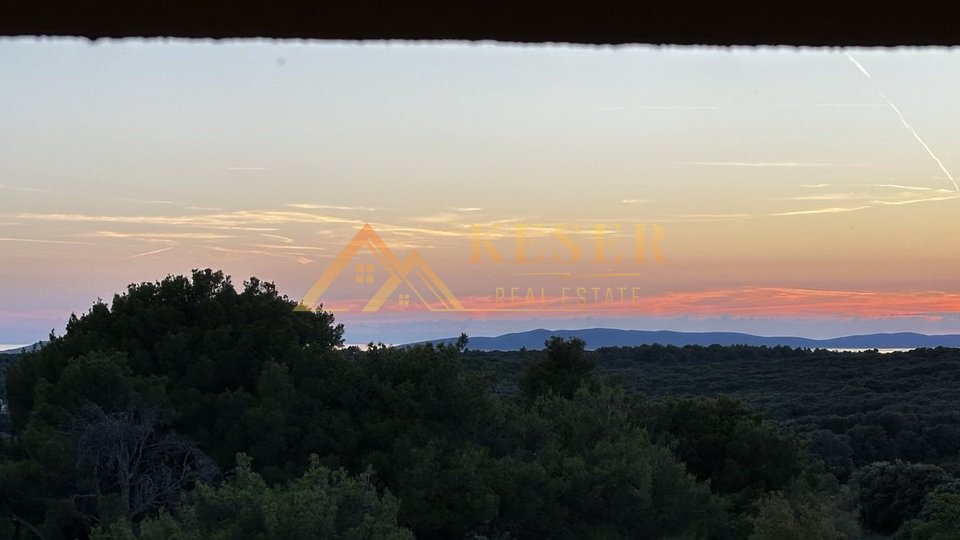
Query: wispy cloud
(41, 241)
(222, 249)
(771, 163)
(148, 253)
(826, 197)
(774, 302)
(285, 255)
(660, 108)
(890, 195)
(27, 189)
(223, 220)
(921, 200)
(284, 239)
(445, 217)
(161, 236)
(713, 217)
(847, 105)
(792, 302)
(246, 168)
(832, 210)
(147, 201)
(293, 248)
(311, 206)
(413, 231)
(900, 186)
(634, 201)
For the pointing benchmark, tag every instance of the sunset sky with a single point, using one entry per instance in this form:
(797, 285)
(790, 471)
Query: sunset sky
(799, 192)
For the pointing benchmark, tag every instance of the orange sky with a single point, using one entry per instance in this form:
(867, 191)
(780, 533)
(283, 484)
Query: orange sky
(792, 187)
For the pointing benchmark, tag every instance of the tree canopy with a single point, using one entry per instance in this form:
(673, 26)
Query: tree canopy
(187, 408)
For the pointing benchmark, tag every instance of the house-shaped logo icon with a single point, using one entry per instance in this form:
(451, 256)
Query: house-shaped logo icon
(413, 272)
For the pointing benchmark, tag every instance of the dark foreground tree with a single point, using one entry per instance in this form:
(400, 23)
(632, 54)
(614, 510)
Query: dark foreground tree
(102, 417)
(125, 453)
(891, 493)
(210, 343)
(320, 504)
(939, 518)
(562, 371)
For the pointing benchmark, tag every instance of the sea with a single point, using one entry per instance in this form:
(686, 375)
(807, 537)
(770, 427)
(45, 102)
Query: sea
(881, 351)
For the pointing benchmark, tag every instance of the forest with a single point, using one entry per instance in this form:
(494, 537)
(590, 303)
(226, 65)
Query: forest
(193, 408)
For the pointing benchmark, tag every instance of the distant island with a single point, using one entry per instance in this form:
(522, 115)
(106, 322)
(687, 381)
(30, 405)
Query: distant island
(610, 337)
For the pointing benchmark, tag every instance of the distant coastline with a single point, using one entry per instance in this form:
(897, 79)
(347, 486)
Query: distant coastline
(864, 349)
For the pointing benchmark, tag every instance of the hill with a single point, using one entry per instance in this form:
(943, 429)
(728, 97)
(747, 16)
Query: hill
(610, 337)
(26, 348)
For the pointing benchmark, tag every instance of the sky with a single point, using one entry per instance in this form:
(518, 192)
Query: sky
(774, 191)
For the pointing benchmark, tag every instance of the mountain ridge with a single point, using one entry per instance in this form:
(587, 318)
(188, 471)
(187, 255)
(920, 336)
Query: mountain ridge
(611, 337)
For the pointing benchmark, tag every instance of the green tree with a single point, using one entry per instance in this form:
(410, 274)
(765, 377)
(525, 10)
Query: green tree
(891, 493)
(603, 478)
(939, 518)
(564, 369)
(723, 441)
(320, 504)
(781, 519)
(211, 345)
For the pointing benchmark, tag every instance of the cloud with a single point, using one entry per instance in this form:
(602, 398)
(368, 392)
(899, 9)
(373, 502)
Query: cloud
(161, 236)
(712, 217)
(222, 220)
(899, 186)
(147, 253)
(27, 189)
(148, 201)
(793, 302)
(635, 201)
(660, 108)
(905, 195)
(284, 239)
(310, 206)
(295, 248)
(826, 197)
(914, 201)
(849, 105)
(771, 163)
(445, 217)
(40, 241)
(767, 302)
(246, 168)
(404, 230)
(832, 210)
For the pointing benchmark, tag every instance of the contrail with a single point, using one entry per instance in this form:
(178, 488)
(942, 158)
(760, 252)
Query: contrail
(905, 123)
(859, 66)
